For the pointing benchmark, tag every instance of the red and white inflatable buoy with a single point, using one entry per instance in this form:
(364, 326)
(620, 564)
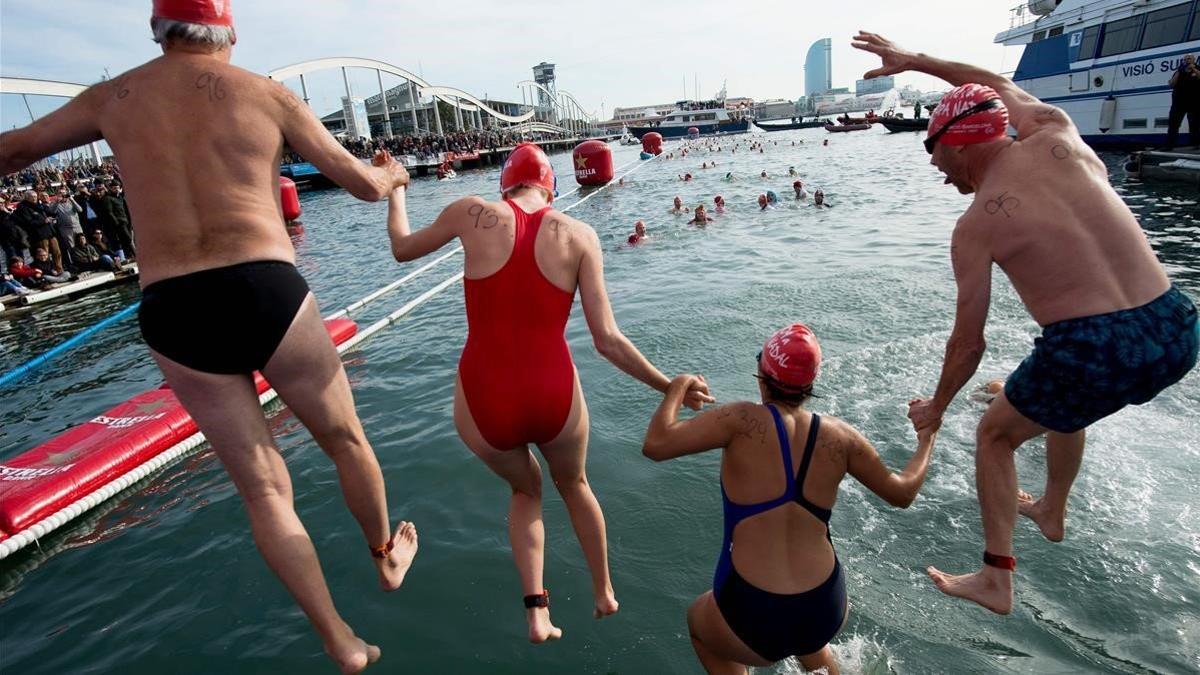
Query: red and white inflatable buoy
(593, 163)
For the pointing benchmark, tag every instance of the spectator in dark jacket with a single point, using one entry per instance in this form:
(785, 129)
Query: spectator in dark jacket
(43, 264)
(124, 227)
(39, 229)
(87, 258)
(13, 240)
(1185, 101)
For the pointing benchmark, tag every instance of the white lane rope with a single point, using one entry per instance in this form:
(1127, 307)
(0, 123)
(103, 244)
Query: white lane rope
(192, 443)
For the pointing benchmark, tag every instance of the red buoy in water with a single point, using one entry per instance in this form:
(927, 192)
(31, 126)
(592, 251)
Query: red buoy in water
(289, 199)
(652, 143)
(593, 163)
(693, 132)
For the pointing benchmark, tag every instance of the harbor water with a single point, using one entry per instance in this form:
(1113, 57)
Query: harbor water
(166, 579)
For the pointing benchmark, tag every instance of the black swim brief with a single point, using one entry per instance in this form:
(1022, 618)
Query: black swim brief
(1085, 369)
(225, 320)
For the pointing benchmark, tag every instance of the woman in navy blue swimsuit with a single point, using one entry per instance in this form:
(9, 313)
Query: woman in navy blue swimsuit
(779, 589)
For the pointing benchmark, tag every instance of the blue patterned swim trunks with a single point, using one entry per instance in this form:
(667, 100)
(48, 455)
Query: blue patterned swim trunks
(1085, 369)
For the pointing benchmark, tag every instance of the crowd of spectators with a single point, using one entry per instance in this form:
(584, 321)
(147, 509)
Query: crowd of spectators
(428, 147)
(41, 179)
(57, 223)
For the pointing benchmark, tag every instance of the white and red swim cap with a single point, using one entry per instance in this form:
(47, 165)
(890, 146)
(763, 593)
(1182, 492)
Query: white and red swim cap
(791, 357)
(968, 114)
(528, 165)
(204, 12)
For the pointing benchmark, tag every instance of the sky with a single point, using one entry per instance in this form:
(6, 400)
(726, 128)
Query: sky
(610, 53)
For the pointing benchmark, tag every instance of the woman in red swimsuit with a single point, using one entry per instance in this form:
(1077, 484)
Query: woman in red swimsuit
(517, 384)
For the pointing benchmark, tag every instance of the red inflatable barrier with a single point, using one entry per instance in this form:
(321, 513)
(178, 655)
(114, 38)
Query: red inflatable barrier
(50, 477)
(593, 163)
(289, 199)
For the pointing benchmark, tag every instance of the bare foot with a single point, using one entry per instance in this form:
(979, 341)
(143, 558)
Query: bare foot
(991, 588)
(1053, 525)
(605, 606)
(393, 568)
(540, 628)
(353, 655)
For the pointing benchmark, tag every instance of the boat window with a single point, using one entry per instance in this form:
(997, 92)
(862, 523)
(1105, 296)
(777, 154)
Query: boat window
(706, 116)
(1087, 45)
(1057, 30)
(1161, 122)
(1195, 35)
(1134, 124)
(1038, 36)
(1121, 36)
(1165, 26)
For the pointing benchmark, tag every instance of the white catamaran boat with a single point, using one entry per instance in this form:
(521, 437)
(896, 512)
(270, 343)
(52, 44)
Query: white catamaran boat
(1105, 62)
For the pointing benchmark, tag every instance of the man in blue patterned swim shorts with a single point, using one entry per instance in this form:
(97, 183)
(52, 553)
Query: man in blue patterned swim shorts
(1115, 331)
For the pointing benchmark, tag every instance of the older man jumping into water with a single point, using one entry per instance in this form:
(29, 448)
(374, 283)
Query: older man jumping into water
(1115, 331)
(199, 143)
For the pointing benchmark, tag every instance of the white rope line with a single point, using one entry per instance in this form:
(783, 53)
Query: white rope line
(186, 447)
(390, 287)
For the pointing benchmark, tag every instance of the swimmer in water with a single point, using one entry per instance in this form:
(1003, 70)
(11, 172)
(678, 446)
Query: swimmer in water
(826, 142)
(764, 174)
(779, 588)
(772, 198)
(763, 203)
(639, 233)
(517, 384)
(792, 172)
(678, 208)
(730, 177)
(819, 199)
(798, 188)
(702, 218)
(1115, 332)
(719, 204)
(704, 165)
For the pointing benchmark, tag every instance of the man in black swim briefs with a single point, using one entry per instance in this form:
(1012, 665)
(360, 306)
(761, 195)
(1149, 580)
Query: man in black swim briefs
(222, 297)
(1115, 330)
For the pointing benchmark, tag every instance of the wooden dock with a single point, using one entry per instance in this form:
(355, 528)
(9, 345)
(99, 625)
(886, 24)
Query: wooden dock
(89, 282)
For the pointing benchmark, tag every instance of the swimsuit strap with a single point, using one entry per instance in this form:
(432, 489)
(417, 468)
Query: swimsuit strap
(822, 514)
(785, 448)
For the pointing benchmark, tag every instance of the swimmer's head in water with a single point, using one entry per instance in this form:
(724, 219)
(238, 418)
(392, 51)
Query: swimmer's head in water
(528, 166)
(796, 185)
(718, 200)
(639, 227)
(791, 359)
(678, 202)
(968, 114)
(762, 200)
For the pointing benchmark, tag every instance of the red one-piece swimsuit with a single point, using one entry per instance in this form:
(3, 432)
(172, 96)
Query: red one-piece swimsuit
(516, 369)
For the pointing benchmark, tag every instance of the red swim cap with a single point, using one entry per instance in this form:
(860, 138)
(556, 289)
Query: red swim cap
(718, 199)
(527, 165)
(205, 12)
(791, 357)
(796, 184)
(953, 123)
